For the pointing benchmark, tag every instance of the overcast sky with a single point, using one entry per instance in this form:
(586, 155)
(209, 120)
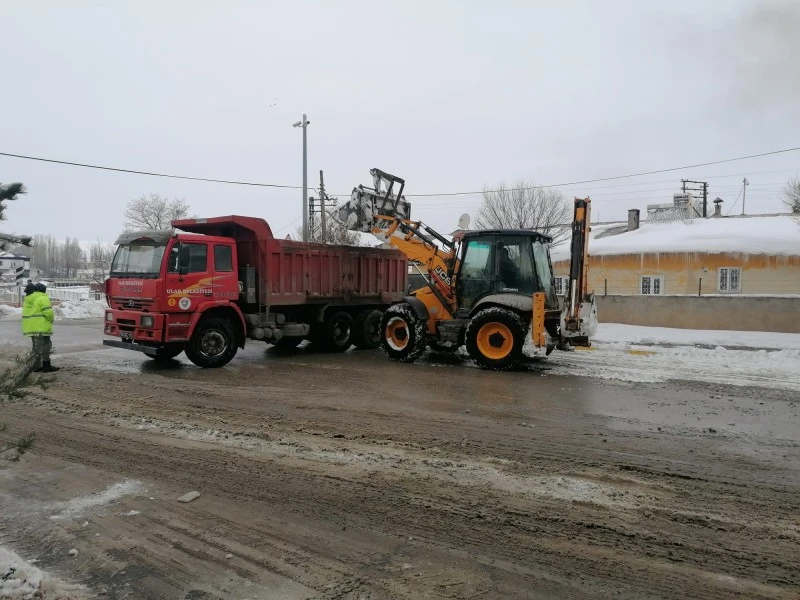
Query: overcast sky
(451, 96)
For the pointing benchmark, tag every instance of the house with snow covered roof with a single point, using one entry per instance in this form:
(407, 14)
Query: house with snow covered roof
(756, 255)
(9, 262)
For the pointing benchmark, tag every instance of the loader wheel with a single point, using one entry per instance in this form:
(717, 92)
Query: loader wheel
(403, 333)
(212, 344)
(368, 329)
(495, 337)
(336, 333)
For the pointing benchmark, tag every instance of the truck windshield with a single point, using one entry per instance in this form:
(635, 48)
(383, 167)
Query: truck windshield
(141, 258)
(544, 272)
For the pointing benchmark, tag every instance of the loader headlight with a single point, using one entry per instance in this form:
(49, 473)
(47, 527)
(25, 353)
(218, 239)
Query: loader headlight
(146, 321)
(109, 316)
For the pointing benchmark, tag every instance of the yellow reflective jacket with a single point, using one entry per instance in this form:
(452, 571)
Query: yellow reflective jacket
(37, 315)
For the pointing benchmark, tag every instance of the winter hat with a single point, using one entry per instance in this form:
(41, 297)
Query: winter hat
(30, 288)
(41, 287)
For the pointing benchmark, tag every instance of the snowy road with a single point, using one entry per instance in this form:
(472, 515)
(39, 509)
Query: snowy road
(623, 471)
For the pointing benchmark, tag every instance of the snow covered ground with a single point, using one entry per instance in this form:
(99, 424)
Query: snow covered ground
(634, 334)
(21, 580)
(638, 354)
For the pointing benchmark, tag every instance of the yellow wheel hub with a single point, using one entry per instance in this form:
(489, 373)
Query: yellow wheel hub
(397, 334)
(495, 341)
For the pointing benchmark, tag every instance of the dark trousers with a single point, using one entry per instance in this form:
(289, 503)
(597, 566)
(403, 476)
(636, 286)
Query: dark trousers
(41, 348)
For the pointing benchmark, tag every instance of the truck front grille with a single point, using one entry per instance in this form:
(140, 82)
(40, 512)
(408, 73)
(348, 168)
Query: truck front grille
(123, 303)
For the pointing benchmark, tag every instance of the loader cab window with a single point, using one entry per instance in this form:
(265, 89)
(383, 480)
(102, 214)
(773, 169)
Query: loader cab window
(516, 272)
(544, 271)
(475, 277)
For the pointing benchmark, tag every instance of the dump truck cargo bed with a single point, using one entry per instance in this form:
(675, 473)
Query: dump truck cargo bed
(288, 272)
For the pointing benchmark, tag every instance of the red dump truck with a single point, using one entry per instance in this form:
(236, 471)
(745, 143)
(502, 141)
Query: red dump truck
(210, 284)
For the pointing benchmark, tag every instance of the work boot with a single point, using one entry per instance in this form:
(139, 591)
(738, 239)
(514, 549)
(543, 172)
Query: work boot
(47, 367)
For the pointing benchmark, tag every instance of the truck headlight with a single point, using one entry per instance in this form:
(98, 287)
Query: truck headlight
(109, 316)
(146, 321)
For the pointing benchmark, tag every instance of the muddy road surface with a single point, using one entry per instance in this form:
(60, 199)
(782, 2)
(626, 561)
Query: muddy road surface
(347, 476)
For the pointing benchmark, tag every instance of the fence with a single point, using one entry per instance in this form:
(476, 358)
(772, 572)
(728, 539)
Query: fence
(13, 294)
(745, 313)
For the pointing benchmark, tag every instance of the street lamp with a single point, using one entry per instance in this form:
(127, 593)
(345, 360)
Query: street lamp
(304, 124)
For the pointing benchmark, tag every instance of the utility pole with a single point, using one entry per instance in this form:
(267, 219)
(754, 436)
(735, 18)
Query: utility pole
(745, 183)
(322, 207)
(304, 124)
(703, 188)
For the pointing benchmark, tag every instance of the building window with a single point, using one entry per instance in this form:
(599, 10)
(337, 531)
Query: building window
(652, 285)
(729, 279)
(562, 285)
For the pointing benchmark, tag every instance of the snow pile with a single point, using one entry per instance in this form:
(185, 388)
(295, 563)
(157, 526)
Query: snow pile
(20, 580)
(68, 309)
(630, 353)
(80, 309)
(777, 235)
(79, 506)
(634, 334)
(9, 312)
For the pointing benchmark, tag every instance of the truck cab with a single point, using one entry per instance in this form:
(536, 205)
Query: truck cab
(161, 282)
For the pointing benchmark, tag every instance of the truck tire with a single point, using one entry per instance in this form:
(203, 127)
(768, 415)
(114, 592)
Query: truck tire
(287, 343)
(213, 343)
(367, 335)
(495, 337)
(167, 353)
(336, 333)
(403, 334)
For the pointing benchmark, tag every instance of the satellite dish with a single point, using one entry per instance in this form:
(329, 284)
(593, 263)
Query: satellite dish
(463, 221)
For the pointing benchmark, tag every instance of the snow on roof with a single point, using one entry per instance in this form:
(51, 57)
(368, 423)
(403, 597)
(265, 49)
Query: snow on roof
(777, 235)
(13, 256)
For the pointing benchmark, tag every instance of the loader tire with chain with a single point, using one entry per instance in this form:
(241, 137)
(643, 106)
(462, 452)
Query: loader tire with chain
(495, 337)
(403, 334)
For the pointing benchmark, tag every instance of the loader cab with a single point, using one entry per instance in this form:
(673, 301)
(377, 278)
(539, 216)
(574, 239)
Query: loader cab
(503, 261)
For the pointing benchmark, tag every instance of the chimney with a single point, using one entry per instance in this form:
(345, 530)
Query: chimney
(633, 219)
(718, 207)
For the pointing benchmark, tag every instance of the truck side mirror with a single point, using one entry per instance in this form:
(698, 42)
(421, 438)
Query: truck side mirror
(183, 259)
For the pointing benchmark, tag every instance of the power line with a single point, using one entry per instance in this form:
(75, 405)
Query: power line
(74, 164)
(735, 202)
(429, 195)
(643, 173)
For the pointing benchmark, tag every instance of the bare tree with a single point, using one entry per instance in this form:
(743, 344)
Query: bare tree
(525, 206)
(154, 212)
(99, 261)
(334, 234)
(791, 194)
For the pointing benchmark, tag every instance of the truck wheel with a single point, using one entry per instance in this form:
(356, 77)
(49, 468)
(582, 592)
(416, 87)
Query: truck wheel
(368, 329)
(403, 333)
(212, 345)
(167, 353)
(495, 337)
(336, 334)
